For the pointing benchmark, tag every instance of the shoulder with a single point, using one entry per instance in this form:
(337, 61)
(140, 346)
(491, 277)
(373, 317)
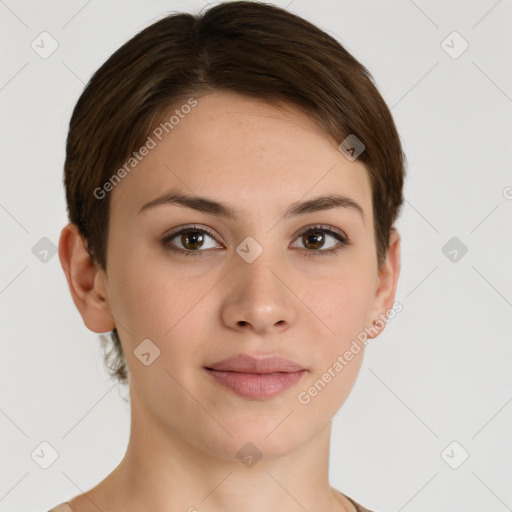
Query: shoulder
(63, 507)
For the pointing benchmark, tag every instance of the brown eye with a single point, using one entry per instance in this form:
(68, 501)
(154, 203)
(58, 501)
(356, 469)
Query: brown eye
(314, 241)
(190, 241)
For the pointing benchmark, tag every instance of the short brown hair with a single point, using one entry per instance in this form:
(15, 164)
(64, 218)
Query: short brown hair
(252, 48)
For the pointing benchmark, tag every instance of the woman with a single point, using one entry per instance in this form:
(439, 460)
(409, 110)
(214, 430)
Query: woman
(232, 182)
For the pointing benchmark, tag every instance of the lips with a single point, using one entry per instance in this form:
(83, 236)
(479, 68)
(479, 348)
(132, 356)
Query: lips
(257, 378)
(249, 364)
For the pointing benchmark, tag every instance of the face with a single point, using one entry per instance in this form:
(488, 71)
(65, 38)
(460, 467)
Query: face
(257, 283)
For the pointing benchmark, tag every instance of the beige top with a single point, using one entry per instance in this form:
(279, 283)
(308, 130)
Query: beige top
(64, 507)
(359, 508)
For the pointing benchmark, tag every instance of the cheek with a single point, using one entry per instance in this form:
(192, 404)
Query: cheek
(158, 305)
(171, 311)
(343, 306)
(343, 302)
(326, 390)
(149, 293)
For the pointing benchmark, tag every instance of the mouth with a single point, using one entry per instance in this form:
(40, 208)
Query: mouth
(257, 378)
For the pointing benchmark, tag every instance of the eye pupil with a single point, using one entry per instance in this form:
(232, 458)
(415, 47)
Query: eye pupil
(314, 240)
(193, 238)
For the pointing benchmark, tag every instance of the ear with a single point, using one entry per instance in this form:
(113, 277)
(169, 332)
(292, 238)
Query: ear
(86, 280)
(386, 286)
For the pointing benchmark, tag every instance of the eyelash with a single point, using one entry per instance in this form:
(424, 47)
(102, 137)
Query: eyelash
(343, 241)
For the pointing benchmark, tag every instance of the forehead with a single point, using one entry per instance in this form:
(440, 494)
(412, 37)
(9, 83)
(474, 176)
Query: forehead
(242, 151)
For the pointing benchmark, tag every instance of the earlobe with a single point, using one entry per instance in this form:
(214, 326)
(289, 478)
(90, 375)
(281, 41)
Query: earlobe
(86, 281)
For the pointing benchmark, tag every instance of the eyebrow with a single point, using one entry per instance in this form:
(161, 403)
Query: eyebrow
(212, 207)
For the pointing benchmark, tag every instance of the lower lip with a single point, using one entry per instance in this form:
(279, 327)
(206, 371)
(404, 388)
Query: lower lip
(261, 385)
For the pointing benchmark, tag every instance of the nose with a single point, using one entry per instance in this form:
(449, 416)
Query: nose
(257, 298)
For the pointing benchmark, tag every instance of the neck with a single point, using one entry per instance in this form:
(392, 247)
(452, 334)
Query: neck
(163, 471)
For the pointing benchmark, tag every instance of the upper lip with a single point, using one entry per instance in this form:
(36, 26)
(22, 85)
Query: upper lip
(249, 364)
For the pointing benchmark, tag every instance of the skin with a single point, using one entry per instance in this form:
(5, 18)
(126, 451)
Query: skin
(186, 429)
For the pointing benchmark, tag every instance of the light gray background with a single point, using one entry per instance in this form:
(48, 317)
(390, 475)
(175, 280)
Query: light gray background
(439, 373)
